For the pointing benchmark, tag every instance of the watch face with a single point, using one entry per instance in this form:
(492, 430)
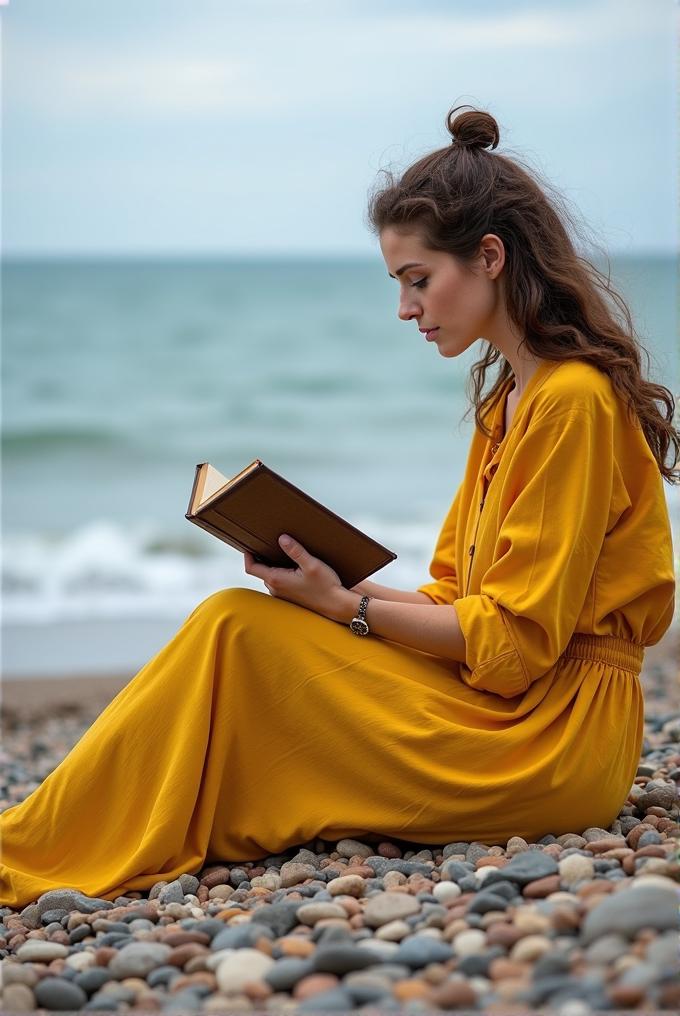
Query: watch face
(359, 627)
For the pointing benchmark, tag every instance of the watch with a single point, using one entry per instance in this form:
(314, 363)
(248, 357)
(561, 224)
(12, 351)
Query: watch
(359, 624)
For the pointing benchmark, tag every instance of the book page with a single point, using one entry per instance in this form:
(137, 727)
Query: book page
(212, 482)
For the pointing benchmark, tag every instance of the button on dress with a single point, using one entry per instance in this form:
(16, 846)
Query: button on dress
(262, 725)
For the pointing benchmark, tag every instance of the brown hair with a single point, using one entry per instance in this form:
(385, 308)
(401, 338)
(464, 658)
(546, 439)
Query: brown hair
(565, 307)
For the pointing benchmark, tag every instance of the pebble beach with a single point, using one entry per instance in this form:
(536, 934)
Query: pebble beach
(579, 923)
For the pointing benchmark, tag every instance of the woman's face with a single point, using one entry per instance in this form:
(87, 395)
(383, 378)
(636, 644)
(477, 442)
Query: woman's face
(454, 304)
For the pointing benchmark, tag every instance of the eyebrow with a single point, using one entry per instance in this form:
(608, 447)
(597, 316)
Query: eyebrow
(404, 268)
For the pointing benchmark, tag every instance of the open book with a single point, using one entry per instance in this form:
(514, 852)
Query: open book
(256, 506)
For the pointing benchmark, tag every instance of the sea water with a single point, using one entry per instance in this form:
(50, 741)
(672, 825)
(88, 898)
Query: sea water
(120, 376)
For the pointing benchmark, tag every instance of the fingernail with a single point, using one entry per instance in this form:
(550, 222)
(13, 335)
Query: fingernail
(285, 540)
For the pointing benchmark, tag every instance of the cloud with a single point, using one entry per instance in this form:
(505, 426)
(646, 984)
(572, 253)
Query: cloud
(297, 57)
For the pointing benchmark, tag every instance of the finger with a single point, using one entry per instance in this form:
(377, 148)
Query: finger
(259, 570)
(295, 551)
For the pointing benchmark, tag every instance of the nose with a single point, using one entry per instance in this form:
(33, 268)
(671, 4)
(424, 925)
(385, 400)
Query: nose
(409, 306)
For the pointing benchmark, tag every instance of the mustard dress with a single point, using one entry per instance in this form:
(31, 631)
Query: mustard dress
(262, 724)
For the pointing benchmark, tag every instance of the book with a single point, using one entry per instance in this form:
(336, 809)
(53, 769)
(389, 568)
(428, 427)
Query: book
(252, 509)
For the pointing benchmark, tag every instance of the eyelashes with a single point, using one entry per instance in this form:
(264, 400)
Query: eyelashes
(420, 284)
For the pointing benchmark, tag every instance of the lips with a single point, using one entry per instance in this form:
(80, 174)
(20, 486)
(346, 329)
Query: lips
(429, 332)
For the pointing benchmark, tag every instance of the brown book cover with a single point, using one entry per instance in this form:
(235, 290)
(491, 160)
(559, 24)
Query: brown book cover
(255, 507)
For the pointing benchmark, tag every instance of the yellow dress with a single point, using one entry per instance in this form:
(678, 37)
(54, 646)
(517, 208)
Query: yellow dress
(262, 724)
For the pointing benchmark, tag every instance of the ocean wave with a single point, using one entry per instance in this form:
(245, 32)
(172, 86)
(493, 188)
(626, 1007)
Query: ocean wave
(37, 440)
(107, 571)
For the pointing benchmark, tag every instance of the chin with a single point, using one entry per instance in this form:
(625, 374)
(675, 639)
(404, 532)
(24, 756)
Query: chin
(450, 348)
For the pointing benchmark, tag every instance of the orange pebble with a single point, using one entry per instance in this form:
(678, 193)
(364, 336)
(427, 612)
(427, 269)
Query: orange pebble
(257, 990)
(314, 984)
(294, 945)
(502, 969)
(104, 955)
(411, 988)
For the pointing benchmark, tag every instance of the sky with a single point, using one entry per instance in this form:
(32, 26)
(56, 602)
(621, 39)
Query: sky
(159, 127)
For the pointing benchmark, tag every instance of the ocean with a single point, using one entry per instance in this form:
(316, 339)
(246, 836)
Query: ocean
(120, 376)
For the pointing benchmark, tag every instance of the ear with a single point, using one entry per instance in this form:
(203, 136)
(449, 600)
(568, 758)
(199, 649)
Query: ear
(492, 253)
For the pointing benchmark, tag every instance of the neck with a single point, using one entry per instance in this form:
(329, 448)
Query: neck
(509, 342)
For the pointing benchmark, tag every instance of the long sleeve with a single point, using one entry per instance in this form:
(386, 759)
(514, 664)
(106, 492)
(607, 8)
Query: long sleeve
(554, 503)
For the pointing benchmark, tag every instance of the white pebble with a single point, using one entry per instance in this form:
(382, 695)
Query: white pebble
(235, 971)
(467, 943)
(80, 960)
(445, 891)
(393, 932)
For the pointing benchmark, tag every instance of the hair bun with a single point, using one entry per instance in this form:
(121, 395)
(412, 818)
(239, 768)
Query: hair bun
(473, 129)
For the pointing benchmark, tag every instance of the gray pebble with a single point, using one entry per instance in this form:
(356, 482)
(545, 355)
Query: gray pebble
(524, 868)
(335, 1000)
(53, 916)
(241, 936)
(287, 972)
(419, 950)
(477, 965)
(469, 884)
(279, 917)
(455, 848)
(55, 993)
(237, 876)
(340, 958)
(456, 870)
(306, 857)
(93, 978)
(79, 933)
(606, 949)
(648, 839)
(172, 893)
(189, 884)
(209, 926)
(155, 889)
(486, 901)
(138, 959)
(628, 912)
(475, 852)
(162, 975)
(381, 865)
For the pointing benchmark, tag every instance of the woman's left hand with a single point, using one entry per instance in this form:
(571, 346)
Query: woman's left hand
(310, 584)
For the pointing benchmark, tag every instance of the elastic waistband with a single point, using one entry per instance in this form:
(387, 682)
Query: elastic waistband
(621, 653)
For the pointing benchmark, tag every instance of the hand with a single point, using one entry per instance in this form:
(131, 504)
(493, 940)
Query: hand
(311, 584)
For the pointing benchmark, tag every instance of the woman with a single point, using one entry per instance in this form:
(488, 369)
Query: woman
(499, 699)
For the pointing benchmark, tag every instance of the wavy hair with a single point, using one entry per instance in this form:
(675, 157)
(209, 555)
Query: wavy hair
(565, 308)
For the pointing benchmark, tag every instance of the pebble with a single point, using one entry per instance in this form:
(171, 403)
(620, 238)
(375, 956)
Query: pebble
(38, 951)
(55, 993)
(418, 951)
(138, 959)
(18, 998)
(347, 885)
(466, 943)
(577, 922)
(294, 872)
(243, 966)
(576, 868)
(389, 906)
(172, 892)
(310, 913)
(649, 907)
(393, 931)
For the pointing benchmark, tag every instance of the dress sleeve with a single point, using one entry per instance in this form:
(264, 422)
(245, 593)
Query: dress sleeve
(443, 567)
(555, 507)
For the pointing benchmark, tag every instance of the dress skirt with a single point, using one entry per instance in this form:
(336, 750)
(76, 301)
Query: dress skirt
(262, 725)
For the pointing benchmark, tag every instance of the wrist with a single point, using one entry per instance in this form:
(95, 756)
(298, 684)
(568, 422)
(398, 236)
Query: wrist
(345, 606)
